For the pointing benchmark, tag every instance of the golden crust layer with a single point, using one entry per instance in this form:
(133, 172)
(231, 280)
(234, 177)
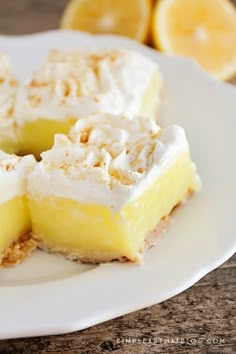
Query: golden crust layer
(18, 251)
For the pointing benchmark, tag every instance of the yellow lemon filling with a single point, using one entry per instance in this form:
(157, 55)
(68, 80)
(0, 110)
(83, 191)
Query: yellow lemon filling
(14, 221)
(7, 145)
(38, 136)
(91, 232)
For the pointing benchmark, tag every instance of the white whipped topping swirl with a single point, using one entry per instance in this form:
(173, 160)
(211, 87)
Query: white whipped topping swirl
(118, 151)
(8, 89)
(77, 83)
(105, 158)
(13, 173)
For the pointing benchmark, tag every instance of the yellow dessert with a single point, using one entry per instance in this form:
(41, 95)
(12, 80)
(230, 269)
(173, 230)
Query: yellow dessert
(105, 191)
(73, 84)
(8, 88)
(15, 220)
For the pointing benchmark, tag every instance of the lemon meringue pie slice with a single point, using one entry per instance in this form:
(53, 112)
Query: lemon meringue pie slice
(72, 84)
(15, 223)
(105, 191)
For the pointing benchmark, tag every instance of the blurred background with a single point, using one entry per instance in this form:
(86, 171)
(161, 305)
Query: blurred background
(29, 16)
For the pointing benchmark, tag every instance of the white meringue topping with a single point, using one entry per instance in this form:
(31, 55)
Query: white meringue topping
(76, 83)
(8, 88)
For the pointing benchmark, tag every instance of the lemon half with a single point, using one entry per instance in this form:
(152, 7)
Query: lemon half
(201, 29)
(129, 18)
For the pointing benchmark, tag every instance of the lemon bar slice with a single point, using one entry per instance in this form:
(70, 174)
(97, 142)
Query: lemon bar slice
(104, 192)
(15, 223)
(71, 84)
(8, 89)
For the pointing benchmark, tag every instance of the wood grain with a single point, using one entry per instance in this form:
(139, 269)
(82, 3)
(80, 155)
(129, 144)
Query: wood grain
(199, 320)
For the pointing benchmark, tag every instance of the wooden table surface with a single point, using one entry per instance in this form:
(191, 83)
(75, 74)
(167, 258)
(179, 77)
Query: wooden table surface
(200, 320)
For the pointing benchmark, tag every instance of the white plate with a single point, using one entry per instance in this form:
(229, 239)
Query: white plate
(49, 295)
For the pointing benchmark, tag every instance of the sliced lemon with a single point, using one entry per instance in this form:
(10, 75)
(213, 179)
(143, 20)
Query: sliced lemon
(129, 18)
(202, 29)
